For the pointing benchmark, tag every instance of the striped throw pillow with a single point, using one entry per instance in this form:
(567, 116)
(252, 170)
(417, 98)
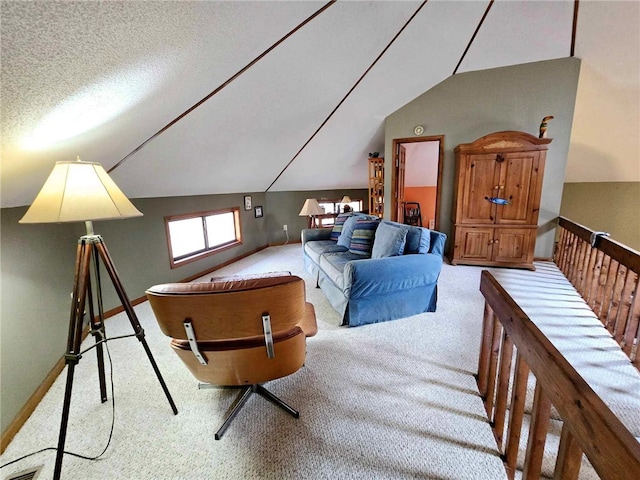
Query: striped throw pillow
(337, 226)
(364, 233)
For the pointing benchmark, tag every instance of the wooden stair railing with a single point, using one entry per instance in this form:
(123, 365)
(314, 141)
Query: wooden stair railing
(606, 276)
(589, 425)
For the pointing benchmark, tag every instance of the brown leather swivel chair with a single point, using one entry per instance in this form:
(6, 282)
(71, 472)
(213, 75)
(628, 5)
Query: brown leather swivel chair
(237, 331)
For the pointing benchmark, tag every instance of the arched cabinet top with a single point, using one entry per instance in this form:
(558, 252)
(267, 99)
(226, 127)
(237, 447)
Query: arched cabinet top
(507, 141)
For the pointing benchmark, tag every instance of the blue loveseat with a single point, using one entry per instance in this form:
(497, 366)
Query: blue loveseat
(382, 271)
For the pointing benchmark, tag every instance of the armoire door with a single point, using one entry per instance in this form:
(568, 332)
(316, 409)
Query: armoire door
(513, 245)
(480, 179)
(474, 243)
(517, 184)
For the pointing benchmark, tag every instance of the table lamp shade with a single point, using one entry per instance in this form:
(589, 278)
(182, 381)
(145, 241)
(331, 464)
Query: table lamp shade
(311, 207)
(76, 192)
(346, 199)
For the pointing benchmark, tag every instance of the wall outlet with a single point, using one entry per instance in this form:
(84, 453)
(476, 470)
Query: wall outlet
(285, 228)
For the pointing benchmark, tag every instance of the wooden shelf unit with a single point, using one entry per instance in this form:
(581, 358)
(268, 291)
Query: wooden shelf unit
(376, 186)
(504, 166)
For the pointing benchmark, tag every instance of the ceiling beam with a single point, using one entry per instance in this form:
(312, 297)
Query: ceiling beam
(348, 93)
(464, 54)
(574, 30)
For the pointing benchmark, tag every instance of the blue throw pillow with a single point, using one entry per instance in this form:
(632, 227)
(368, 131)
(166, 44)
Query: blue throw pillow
(363, 235)
(347, 230)
(337, 226)
(389, 241)
(418, 240)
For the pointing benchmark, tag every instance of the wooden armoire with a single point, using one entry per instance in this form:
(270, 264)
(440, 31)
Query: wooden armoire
(497, 199)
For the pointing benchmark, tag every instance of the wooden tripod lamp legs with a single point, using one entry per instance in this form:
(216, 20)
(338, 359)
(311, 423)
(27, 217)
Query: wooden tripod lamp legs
(93, 246)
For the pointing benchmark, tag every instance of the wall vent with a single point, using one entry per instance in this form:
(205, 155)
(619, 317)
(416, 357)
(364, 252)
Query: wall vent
(29, 474)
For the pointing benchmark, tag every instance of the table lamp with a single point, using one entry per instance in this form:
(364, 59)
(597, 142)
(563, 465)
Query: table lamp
(346, 200)
(311, 208)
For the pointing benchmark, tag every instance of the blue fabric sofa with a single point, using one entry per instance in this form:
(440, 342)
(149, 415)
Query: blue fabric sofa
(395, 277)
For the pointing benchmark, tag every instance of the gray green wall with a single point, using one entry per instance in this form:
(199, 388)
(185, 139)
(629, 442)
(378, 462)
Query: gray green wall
(284, 208)
(470, 105)
(37, 274)
(38, 266)
(612, 207)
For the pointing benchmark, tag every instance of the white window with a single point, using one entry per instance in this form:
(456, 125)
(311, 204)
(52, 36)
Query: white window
(335, 207)
(356, 205)
(196, 235)
(332, 208)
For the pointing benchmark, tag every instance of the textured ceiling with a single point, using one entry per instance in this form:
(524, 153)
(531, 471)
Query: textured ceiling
(97, 79)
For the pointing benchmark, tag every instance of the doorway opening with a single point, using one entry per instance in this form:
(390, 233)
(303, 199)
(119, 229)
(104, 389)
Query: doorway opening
(416, 181)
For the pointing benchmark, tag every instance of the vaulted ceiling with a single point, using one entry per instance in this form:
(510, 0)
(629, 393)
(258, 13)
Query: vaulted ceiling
(294, 92)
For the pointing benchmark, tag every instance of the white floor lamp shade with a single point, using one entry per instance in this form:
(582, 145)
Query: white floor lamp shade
(77, 192)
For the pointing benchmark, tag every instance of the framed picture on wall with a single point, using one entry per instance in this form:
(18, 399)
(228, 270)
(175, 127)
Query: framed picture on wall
(247, 202)
(257, 212)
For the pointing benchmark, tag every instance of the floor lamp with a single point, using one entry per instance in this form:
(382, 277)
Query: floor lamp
(81, 192)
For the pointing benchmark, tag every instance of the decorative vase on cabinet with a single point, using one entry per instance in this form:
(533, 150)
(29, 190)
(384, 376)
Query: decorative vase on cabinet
(497, 199)
(376, 186)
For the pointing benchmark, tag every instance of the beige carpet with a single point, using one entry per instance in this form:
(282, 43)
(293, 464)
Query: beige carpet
(393, 400)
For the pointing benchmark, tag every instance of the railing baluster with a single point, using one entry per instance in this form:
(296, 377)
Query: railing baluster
(496, 340)
(625, 297)
(485, 350)
(586, 266)
(537, 435)
(516, 414)
(569, 458)
(504, 377)
(609, 306)
(578, 271)
(595, 280)
(632, 333)
(558, 251)
(571, 260)
(567, 248)
(604, 286)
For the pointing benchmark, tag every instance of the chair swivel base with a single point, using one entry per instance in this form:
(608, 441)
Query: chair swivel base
(242, 399)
